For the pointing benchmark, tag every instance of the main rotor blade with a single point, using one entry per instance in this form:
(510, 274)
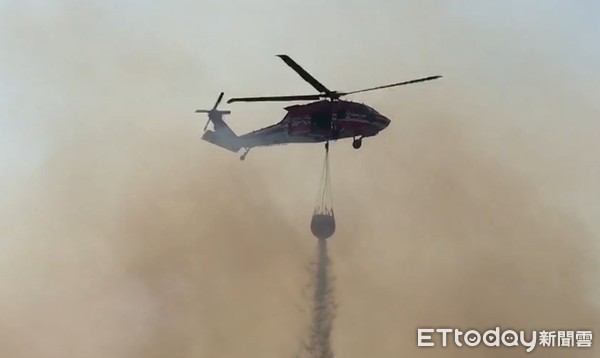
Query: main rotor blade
(218, 100)
(309, 97)
(393, 85)
(305, 75)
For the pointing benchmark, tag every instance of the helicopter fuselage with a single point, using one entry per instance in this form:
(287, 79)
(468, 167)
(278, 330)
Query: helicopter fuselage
(319, 121)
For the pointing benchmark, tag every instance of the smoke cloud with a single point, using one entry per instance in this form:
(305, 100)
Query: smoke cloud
(123, 235)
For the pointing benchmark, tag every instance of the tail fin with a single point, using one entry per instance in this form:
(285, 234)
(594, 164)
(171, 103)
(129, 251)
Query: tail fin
(222, 135)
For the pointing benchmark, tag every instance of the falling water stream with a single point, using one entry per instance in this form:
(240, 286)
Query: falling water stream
(323, 307)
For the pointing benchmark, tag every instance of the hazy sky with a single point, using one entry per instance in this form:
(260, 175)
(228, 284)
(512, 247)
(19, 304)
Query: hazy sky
(123, 234)
(231, 46)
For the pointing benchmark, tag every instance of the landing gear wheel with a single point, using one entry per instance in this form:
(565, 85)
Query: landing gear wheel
(357, 143)
(243, 156)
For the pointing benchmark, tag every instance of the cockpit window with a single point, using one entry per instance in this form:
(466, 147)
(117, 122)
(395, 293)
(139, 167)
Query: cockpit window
(371, 110)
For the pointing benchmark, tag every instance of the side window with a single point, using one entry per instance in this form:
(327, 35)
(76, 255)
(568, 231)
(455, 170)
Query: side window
(321, 120)
(341, 114)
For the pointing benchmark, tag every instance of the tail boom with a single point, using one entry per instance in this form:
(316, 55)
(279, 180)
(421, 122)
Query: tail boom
(225, 140)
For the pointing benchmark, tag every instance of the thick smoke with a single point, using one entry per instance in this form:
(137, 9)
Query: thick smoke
(123, 235)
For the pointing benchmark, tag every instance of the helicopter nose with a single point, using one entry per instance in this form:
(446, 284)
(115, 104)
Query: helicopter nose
(384, 121)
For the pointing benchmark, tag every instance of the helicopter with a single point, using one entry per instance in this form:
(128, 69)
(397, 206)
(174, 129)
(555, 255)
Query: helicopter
(327, 118)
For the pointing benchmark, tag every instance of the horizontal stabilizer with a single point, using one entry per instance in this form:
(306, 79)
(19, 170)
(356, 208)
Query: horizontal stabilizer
(229, 142)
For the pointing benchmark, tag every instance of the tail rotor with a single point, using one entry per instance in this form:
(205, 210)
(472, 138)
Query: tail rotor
(214, 112)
